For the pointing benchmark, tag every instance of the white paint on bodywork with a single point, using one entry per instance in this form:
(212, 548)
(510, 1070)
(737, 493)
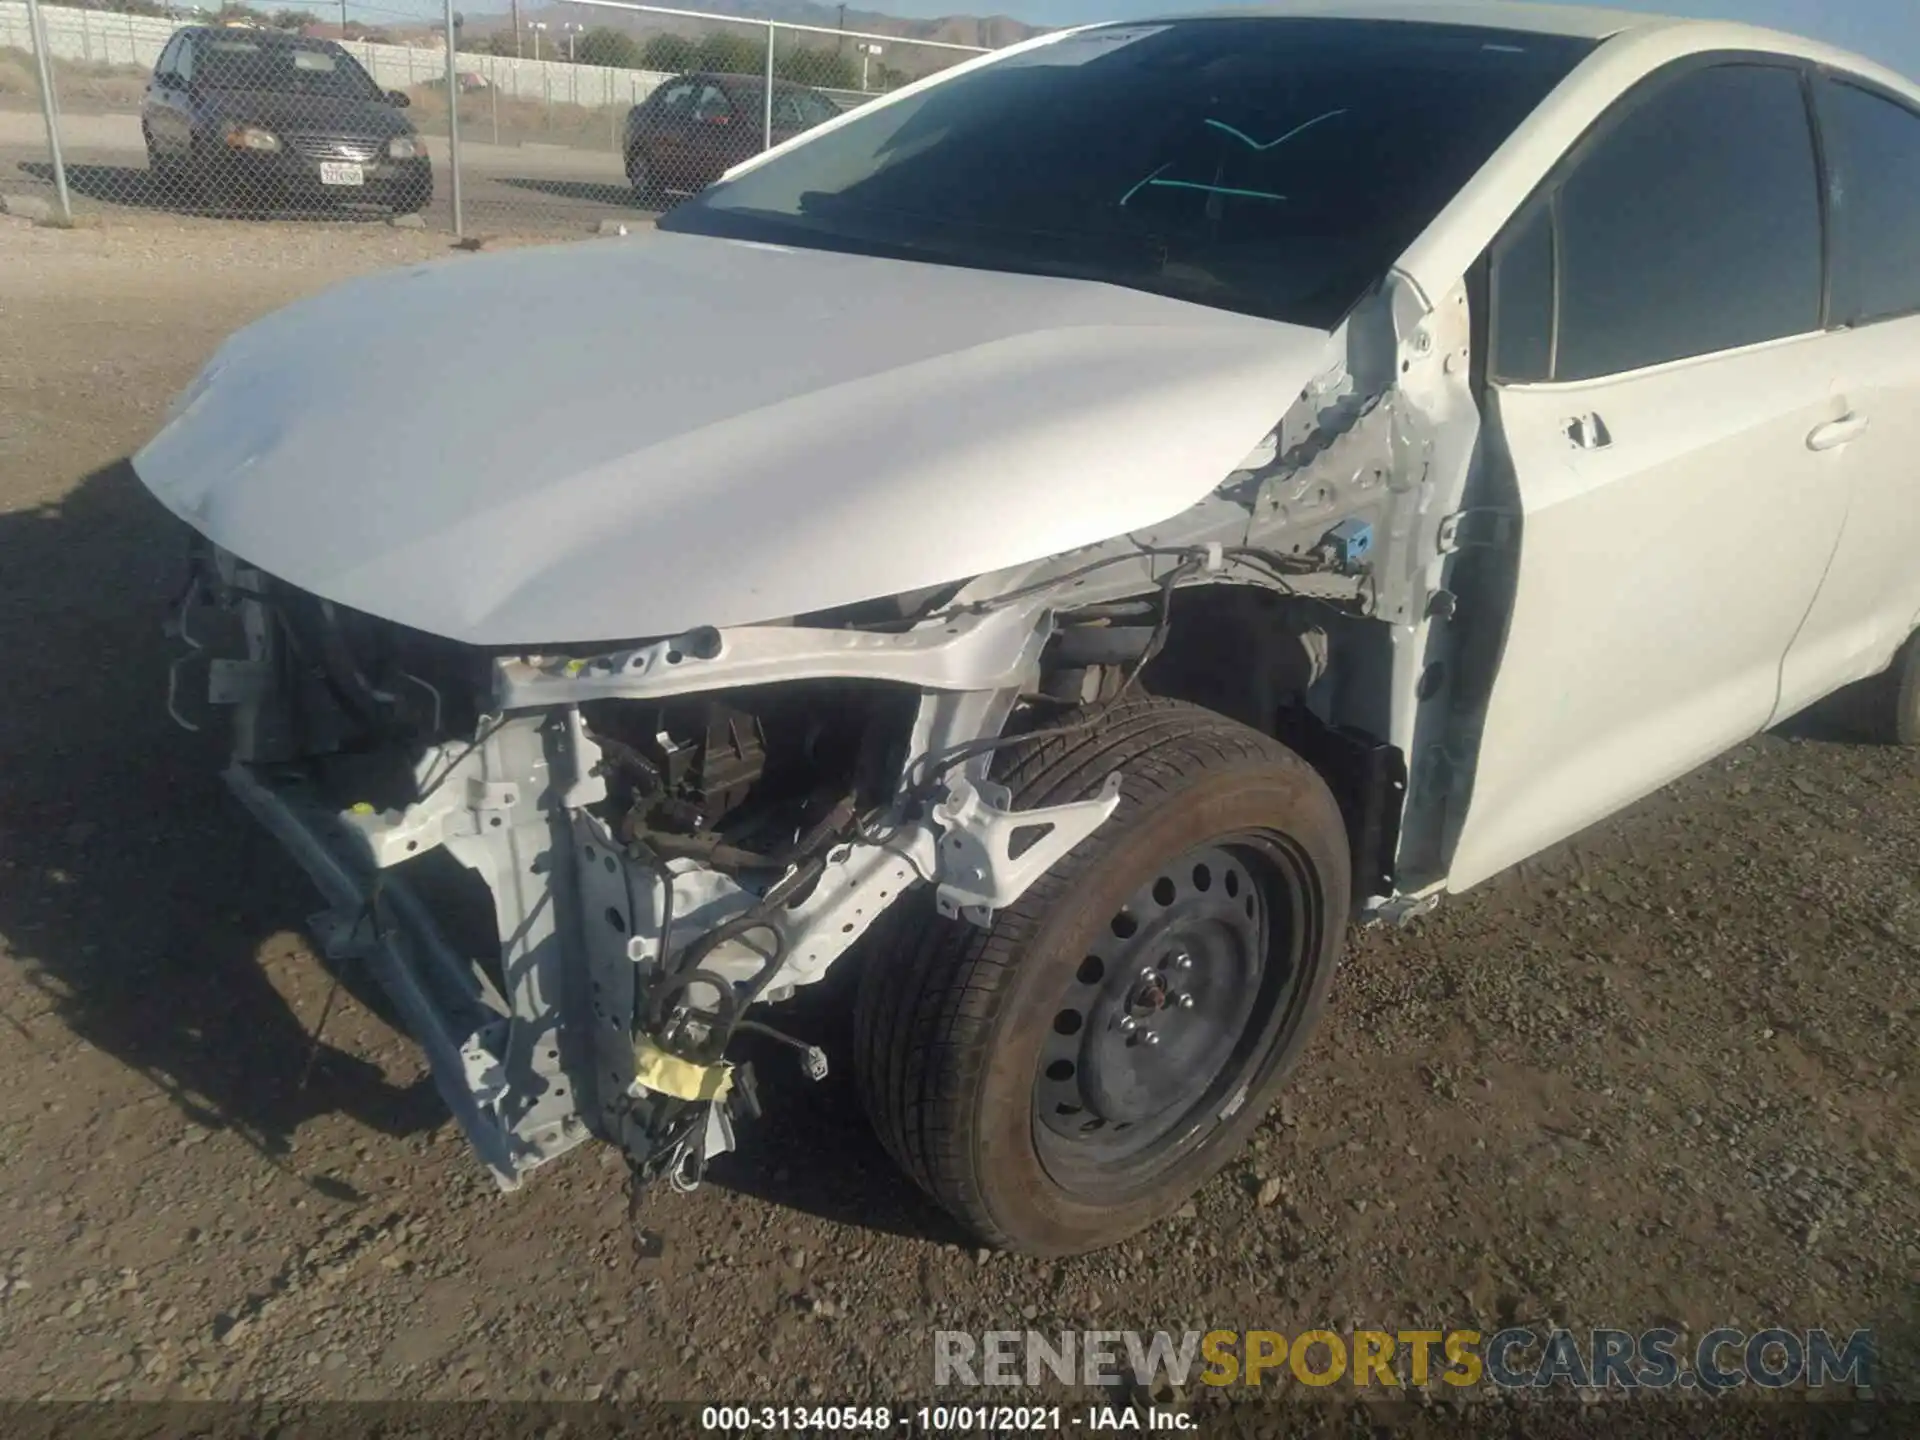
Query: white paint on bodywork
(636, 438)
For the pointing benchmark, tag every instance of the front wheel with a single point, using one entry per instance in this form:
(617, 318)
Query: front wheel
(1072, 1075)
(163, 174)
(414, 197)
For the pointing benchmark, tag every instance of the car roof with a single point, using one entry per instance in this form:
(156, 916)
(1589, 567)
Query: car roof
(1665, 32)
(736, 80)
(256, 32)
(1591, 21)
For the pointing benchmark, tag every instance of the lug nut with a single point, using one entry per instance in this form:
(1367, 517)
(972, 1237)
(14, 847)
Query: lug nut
(1182, 961)
(1153, 1037)
(1185, 1002)
(1127, 1024)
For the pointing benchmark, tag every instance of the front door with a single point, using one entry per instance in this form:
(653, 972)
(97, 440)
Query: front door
(1657, 363)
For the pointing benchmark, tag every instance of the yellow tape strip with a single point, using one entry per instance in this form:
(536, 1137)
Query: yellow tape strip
(682, 1079)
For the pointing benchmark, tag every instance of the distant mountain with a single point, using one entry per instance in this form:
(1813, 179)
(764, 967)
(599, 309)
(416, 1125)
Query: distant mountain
(989, 32)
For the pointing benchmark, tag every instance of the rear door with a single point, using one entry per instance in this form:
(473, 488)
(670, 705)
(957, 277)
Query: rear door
(1870, 602)
(665, 135)
(1657, 365)
(716, 136)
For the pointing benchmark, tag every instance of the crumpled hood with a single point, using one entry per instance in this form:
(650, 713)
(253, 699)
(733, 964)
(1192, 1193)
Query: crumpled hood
(637, 437)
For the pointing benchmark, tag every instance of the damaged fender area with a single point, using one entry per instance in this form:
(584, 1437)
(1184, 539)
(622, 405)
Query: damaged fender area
(676, 831)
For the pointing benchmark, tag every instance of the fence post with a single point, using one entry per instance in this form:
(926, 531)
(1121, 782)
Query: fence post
(493, 94)
(37, 33)
(766, 108)
(453, 127)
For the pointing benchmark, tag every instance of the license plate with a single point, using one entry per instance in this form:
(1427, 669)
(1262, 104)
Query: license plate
(339, 172)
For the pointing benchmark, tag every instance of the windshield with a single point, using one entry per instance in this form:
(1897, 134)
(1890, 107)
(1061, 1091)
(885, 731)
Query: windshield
(799, 109)
(241, 64)
(1276, 167)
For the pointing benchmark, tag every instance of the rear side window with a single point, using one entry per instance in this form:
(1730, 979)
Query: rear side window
(802, 109)
(1690, 225)
(676, 100)
(1873, 154)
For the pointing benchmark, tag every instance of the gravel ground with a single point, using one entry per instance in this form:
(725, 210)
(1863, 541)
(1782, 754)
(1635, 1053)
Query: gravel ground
(1663, 1074)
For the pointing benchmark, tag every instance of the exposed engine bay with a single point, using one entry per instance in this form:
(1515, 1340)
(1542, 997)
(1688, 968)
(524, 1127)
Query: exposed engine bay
(674, 833)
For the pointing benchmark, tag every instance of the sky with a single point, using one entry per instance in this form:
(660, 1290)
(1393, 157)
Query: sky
(1885, 30)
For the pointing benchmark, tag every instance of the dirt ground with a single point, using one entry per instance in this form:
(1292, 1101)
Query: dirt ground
(1663, 1074)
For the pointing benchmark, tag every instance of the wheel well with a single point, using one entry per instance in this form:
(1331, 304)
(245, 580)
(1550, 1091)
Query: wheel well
(1278, 664)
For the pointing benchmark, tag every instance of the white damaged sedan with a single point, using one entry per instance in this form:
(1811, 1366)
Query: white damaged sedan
(1065, 538)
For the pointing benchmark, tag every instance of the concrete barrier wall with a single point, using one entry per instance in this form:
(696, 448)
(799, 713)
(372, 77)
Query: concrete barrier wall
(102, 37)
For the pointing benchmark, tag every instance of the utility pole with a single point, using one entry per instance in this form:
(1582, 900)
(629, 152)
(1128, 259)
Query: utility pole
(37, 34)
(453, 23)
(840, 40)
(516, 29)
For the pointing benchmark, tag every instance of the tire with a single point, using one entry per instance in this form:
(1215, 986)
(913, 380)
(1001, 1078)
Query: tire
(1901, 719)
(646, 188)
(414, 198)
(165, 175)
(1007, 1070)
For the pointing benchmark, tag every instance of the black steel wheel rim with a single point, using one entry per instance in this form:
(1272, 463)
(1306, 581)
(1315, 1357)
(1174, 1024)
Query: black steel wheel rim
(1178, 1007)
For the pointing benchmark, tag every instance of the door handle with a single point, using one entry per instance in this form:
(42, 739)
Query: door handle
(1589, 432)
(1836, 433)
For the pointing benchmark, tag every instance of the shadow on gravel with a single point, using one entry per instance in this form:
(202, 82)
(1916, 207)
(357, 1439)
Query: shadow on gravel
(618, 195)
(1846, 717)
(813, 1150)
(134, 893)
(1897, 1346)
(137, 186)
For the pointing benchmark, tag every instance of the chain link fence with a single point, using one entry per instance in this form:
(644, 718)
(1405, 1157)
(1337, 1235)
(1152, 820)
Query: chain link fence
(499, 125)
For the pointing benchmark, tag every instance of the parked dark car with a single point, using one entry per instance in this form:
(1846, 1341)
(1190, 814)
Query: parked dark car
(693, 127)
(238, 114)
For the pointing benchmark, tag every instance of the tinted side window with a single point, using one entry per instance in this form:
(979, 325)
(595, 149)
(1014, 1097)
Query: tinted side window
(712, 104)
(1873, 149)
(183, 61)
(677, 99)
(1692, 226)
(164, 65)
(800, 110)
(1522, 324)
